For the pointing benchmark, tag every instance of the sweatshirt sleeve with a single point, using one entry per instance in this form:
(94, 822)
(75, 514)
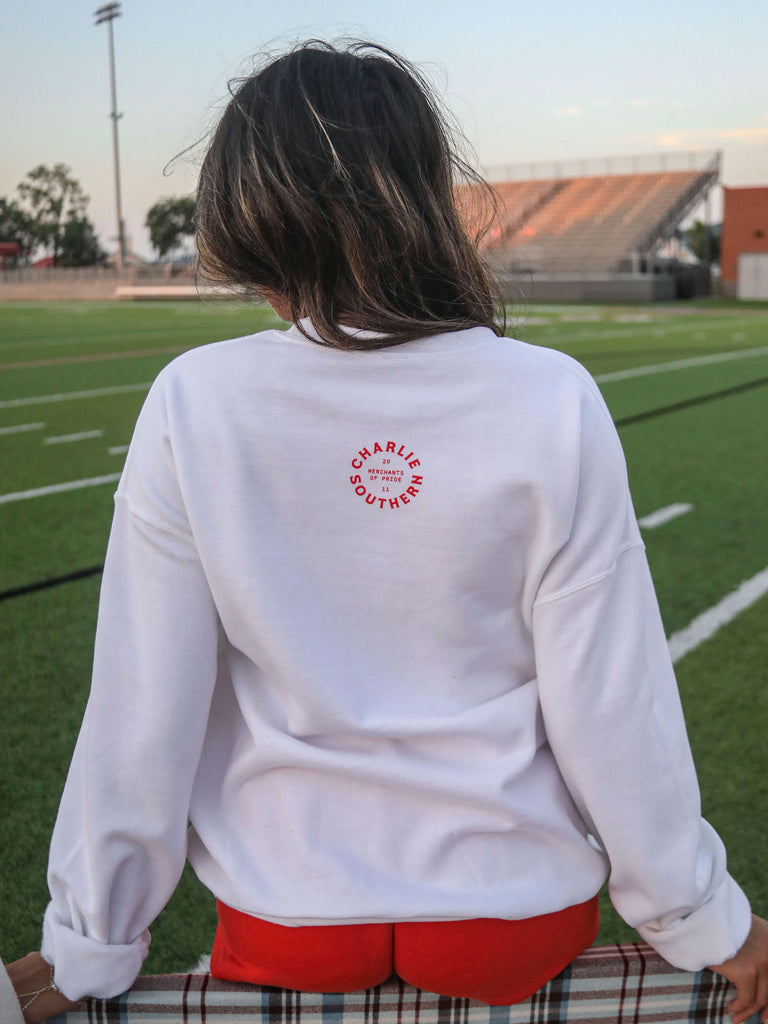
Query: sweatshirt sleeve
(120, 839)
(614, 721)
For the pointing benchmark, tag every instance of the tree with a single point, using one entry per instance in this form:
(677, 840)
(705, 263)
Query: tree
(16, 226)
(79, 244)
(704, 242)
(54, 198)
(169, 221)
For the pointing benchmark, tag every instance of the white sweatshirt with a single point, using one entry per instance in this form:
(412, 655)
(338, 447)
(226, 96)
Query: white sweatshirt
(380, 627)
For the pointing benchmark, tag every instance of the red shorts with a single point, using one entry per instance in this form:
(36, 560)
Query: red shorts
(497, 962)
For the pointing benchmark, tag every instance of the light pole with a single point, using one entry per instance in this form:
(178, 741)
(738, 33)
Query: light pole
(108, 13)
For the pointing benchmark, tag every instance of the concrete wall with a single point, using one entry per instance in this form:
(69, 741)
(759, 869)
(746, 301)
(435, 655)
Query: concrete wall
(73, 285)
(29, 284)
(52, 291)
(625, 288)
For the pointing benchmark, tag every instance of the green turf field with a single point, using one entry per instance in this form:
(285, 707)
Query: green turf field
(72, 379)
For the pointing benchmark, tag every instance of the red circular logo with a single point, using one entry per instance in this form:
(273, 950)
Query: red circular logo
(386, 474)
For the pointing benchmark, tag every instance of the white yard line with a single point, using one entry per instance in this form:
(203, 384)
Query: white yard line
(118, 449)
(70, 485)
(69, 396)
(636, 327)
(559, 340)
(682, 364)
(83, 435)
(202, 966)
(707, 624)
(21, 428)
(663, 515)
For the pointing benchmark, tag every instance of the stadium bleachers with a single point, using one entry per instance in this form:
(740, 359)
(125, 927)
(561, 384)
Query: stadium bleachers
(590, 224)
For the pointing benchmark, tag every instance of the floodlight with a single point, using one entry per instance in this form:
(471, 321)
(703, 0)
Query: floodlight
(107, 13)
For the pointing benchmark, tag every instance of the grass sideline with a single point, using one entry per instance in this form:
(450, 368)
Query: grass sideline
(712, 454)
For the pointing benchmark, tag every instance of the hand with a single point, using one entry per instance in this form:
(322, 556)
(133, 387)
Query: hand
(748, 971)
(32, 974)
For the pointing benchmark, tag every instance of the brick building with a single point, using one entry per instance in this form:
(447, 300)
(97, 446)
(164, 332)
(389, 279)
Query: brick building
(745, 230)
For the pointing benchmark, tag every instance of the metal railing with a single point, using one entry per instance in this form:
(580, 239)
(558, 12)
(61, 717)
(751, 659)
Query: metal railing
(634, 163)
(161, 272)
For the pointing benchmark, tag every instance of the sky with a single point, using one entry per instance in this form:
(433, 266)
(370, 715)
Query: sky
(551, 80)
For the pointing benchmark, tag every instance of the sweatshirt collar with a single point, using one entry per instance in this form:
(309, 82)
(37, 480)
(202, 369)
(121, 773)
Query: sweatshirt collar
(451, 341)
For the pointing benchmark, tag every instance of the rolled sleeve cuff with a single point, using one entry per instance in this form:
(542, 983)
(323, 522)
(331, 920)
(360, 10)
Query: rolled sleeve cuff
(710, 935)
(85, 967)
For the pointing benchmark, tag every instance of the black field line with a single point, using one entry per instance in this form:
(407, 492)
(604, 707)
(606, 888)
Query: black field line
(54, 581)
(688, 403)
(681, 643)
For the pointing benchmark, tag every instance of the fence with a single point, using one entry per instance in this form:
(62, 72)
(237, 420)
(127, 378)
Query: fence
(38, 284)
(634, 163)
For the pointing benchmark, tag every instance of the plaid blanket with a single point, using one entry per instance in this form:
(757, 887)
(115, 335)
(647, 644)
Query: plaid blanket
(624, 984)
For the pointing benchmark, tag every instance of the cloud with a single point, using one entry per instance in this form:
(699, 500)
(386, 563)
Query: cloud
(685, 139)
(620, 104)
(639, 103)
(570, 111)
(747, 135)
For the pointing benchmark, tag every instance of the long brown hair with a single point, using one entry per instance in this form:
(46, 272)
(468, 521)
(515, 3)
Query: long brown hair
(330, 180)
